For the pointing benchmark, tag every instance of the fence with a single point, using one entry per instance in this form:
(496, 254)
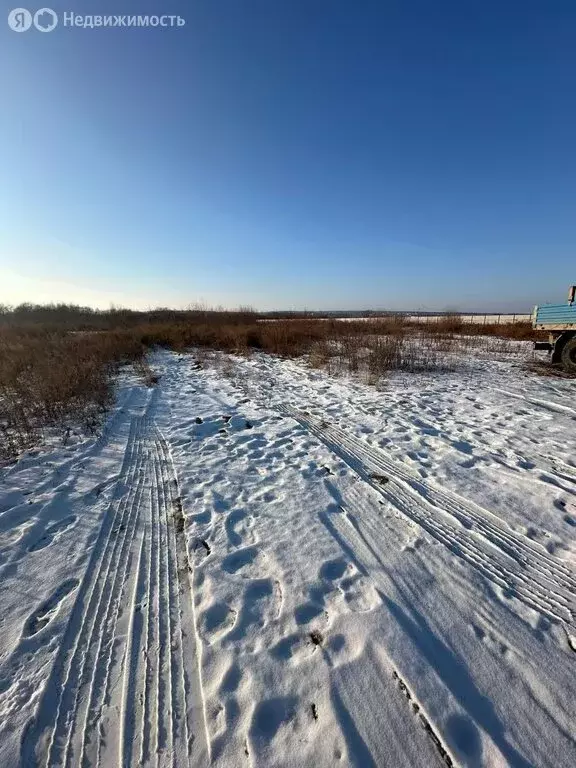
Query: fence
(477, 319)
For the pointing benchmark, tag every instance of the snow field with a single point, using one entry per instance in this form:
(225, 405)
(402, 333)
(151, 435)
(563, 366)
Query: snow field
(275, 568)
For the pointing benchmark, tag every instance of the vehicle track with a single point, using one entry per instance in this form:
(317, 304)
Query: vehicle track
(538, 402)
(508, 559)
(125, 687)
(549, 465)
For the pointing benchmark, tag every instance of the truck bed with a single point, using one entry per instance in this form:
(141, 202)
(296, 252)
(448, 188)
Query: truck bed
(555, 317)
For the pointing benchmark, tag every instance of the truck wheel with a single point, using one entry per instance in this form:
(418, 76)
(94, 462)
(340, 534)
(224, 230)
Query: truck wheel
(569, 355)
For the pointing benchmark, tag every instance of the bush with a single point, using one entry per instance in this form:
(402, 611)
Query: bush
(46, 378)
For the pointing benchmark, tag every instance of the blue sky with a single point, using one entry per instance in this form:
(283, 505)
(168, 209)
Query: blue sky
(291, 154)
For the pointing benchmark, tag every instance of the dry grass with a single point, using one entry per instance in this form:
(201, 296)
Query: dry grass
(49, 378)
(454, 324)
(548, 369)
(375, 355)
(56, 362)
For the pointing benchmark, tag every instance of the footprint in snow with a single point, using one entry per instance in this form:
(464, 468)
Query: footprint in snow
(230, 680)
(269, 718)
(243, 560)
(333, 569)
(261, 603)
(359, 593)
(46, 612)
(52, 533)
(237, 527)
(217, 621)
(307, 612)
(16, 533)
(200, 518)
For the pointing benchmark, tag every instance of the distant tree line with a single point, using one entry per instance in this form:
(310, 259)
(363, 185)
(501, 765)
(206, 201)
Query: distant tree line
(78, 318)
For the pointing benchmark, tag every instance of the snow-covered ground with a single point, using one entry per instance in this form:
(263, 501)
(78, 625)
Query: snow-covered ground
(258, 565)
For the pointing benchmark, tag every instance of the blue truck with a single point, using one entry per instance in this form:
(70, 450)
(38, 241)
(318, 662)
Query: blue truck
(560, 322)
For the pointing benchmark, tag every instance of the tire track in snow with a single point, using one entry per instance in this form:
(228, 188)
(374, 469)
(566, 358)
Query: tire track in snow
(181, 614)
(543, 464)
(41, 742)
(188, 729)
(87, 638)
(505, 557)
(151, 642)
(125, 687)
(163, 725)
(16, 667)
(520, 548)
(98, 657)
(548, 405)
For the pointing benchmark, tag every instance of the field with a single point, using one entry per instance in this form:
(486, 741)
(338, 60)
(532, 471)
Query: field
(57, 362)
(296, 543)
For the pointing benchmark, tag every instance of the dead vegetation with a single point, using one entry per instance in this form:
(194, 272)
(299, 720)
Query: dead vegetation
(49, 379)
(146, 372)
(548, 369)
(56, 363)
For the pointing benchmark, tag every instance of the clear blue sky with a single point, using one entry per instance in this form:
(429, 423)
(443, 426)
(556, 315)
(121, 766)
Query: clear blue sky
(293, 153)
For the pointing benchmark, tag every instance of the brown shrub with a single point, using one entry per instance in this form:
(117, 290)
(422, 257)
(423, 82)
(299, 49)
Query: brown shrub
(453, 324)
(46, 378)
